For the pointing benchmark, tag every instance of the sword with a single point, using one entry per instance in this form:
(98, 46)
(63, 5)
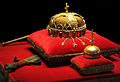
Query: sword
(10, 67)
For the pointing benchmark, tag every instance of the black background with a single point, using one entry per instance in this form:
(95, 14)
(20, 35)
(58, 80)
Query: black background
(20, 18)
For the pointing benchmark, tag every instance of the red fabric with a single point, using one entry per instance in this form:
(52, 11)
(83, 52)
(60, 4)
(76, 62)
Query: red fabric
(83, 62)
(52, 45)
(43, 73)
(91, 57)
(13, 79)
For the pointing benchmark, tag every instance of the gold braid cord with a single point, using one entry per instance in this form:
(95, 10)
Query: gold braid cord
(82, 42)
(74, 44)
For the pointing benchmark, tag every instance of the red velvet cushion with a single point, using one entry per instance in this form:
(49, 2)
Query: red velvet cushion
(43, 73)
(52, 45)
(83, 62)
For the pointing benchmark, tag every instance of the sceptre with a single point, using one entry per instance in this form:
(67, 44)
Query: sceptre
(11, 41)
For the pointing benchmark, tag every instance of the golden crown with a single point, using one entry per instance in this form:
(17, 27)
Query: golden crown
(67, 25)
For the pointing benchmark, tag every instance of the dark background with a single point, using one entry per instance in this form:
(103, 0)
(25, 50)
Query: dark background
(20, 18)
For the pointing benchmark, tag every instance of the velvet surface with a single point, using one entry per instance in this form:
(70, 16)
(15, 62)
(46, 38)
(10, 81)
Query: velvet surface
(43, 73)
(52, 45)
(84, 62)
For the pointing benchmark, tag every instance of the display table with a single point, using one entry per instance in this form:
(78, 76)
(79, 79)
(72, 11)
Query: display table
(43, 73)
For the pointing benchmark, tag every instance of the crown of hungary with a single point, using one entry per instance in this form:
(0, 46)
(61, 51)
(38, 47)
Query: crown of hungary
(67, 25)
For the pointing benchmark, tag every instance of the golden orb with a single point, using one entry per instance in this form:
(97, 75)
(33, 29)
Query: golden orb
(92, 50)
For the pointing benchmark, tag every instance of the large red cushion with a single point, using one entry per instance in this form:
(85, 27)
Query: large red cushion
(52, 45)
(43, 73)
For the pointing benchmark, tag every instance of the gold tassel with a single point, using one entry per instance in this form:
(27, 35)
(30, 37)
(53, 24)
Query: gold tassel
(64, 41)
(87, 39)
(74, 44)
(81, 41)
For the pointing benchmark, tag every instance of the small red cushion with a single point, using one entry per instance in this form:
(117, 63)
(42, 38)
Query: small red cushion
(52, 45)
(84, 62)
